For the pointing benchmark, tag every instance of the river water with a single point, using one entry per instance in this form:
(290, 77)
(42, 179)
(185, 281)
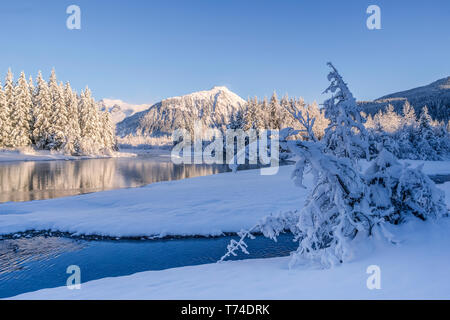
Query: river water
(33, 263)
(37, 180)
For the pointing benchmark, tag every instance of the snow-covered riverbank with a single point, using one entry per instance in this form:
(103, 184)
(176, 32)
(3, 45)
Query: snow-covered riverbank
(45, 155)
(209, 205)
(417, 268)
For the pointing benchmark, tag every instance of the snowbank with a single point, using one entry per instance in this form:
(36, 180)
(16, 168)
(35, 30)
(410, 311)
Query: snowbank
(45, 155)
(209, 205)
(415, 269)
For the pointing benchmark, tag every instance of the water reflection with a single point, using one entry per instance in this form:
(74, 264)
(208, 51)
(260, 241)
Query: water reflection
(24, 181)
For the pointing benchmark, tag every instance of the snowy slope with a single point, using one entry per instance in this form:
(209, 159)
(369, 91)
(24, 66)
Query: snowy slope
(213, 107)
(208, 205)
(417, 268)
(436, 96)
(120, 110)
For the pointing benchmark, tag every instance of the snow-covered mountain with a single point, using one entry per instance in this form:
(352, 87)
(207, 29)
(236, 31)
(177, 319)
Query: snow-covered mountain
(213, 107)
(436, 96)
(120, 110)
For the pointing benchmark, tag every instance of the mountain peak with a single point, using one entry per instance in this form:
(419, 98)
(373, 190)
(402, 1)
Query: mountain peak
(217, 88)
(212, 107)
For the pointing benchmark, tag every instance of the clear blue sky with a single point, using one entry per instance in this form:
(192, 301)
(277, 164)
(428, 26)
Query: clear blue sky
(142, 51)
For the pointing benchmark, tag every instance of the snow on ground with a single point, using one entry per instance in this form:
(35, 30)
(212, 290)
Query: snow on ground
(29, 154)
(417, 268)
(209, 205)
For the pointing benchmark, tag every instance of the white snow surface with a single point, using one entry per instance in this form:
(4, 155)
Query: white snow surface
(417, 268)
(29, 154)
(209, 205)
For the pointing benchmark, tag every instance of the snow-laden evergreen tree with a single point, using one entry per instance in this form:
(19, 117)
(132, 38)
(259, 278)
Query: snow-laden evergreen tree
(346, 135)
(89, 124)
(320, 123)
(344, 203)
(237, 120)
(425, 135)
(335, 211)
(9, 107)
(42, 114)
(398, 192)
(5, 120)
(73, 134)
(108, 132)
(48, 117)
(21, 114)
(409, 138)
(409, 115)
(58, 119)
(274, 110)
(391, 120)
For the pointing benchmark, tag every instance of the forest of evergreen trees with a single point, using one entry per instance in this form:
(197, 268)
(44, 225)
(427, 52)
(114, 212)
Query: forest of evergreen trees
(51, 116)
(405, 134)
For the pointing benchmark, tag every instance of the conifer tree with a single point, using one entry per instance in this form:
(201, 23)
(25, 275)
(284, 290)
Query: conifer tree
(9, 107)
(5, 120)
(274, 118)
(346, 135)
(409, 115)
(72, 144)
(42, 113)
(89, 123)
(20, 115)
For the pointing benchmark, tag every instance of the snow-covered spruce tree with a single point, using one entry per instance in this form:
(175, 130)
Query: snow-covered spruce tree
(237, 120)
(90, 125)
(424, 137)
(58, 119)
(42, 113)
(9, 107)
(274, 113)
(346, 135)
(409, 115)
(109, 132)
(336, 210)
(21, 114)
(72, 144)
(5, 120)
(343, 203)
(398, 192)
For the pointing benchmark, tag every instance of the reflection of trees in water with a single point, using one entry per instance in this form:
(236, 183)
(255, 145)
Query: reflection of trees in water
(26, 181)
(141, 172)
(42, 180)
(14, 254)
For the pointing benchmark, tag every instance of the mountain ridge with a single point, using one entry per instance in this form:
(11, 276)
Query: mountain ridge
(212, 107)
(436, 96)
